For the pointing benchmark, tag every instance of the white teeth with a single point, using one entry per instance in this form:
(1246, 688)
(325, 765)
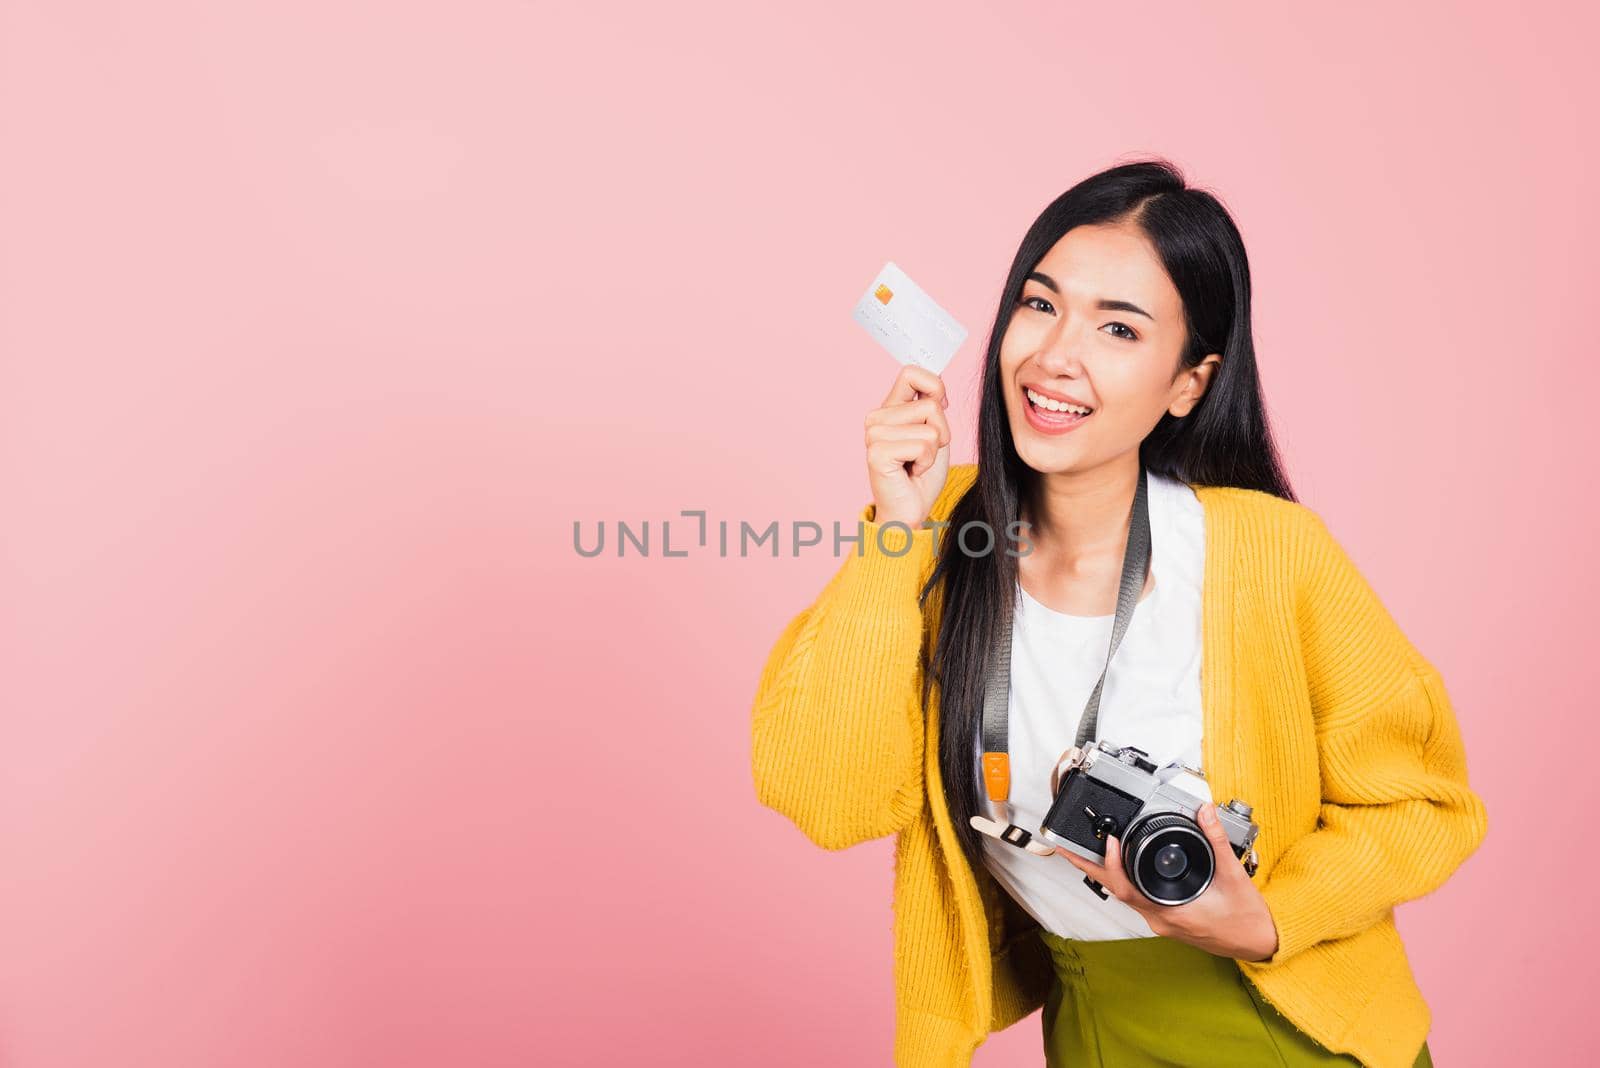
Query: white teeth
(1055, 405)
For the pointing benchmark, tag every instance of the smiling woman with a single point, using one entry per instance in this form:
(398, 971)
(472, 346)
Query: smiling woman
(1121, 420)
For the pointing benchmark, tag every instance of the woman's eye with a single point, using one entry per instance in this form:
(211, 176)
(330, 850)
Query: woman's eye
(1029, 302)
(1128, 331)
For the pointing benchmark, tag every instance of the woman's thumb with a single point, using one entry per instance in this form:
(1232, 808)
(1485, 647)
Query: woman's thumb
(1212, 825)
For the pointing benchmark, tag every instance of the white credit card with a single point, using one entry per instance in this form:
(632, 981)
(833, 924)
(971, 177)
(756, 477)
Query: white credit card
(906, 321)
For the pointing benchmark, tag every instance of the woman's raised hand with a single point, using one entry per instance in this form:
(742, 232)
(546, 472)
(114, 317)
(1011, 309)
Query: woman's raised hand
(908, 447)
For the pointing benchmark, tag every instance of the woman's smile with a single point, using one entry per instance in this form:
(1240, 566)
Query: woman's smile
(1050, 414)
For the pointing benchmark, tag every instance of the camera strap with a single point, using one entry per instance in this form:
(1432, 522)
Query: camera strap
(997, 687)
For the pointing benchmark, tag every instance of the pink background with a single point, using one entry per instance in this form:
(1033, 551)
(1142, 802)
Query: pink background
(322, 323)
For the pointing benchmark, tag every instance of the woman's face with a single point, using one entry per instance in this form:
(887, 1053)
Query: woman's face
(1099, 324)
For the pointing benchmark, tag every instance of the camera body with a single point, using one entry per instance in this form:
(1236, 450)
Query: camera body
(1110, 790)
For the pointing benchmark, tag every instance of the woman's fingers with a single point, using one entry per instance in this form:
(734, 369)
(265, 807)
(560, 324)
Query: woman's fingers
(907, 471)
(918, 445)
(913, 382)
(1085, 865)
(910, 433)
(1111, 876)
(926, 411)
(1118, 879)
(1229, 866)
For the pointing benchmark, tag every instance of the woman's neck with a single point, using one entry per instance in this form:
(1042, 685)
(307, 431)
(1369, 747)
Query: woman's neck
(1080, 515)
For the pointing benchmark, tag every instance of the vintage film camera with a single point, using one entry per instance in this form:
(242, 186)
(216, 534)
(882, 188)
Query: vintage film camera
(1104, 790)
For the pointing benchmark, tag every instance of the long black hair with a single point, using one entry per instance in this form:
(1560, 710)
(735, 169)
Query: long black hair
(1223, 441)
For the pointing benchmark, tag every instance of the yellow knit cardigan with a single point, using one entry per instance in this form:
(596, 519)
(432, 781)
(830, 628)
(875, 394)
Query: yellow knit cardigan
(1316, 709)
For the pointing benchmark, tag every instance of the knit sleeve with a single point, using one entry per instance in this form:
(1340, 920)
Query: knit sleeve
(1397, 814)
(837, 725)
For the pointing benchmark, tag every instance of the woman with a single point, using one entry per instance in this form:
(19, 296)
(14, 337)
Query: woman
(1120, 387)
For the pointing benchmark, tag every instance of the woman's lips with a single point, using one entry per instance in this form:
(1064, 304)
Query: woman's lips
(1046, 422)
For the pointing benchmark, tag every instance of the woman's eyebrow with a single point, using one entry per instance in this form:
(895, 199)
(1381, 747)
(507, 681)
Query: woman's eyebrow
(1103, 304)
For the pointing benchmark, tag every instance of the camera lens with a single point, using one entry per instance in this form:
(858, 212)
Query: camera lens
(1168, 858)
(1169, 861)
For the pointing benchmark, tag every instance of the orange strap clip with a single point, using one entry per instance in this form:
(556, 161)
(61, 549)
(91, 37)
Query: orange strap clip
(997, 775)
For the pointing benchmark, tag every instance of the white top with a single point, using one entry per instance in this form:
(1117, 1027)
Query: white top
(1151, 699)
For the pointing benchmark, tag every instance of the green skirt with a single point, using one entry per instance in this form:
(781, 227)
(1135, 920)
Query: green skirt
(1158, 1001)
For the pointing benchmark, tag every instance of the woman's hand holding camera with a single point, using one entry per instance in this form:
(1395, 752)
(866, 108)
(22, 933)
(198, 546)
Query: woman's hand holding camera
(909, 429)
(1230, 919)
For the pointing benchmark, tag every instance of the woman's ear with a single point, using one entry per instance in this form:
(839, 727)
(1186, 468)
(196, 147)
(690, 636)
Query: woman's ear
(1193, 382)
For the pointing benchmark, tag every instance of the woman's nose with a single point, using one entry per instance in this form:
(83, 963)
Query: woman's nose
(1060, 357)
(1059, 350)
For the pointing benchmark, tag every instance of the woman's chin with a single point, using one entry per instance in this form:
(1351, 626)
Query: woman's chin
(1045, 454)
(1050, 461)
